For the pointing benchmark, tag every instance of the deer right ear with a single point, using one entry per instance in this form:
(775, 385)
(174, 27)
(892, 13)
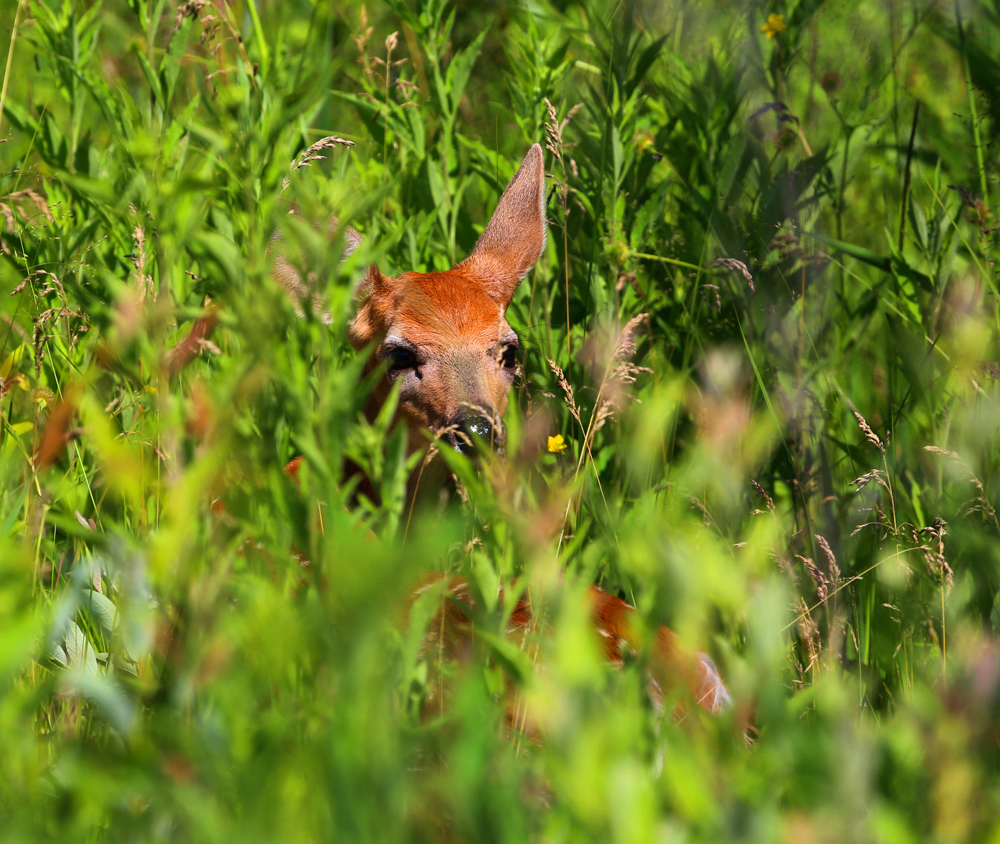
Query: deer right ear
(514, 238)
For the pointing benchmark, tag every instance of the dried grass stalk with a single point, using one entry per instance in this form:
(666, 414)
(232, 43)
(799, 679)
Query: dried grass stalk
(566, 388)
(738, 266)
(870, 435)
(767, 498)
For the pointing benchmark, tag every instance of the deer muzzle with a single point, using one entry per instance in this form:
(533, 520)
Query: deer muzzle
(472, 433)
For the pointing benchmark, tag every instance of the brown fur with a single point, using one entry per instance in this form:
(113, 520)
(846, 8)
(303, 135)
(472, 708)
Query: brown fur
(458, 331)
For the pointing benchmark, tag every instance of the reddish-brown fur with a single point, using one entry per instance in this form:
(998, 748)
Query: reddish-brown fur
(459, 331)
(450, 634)
(447, 341)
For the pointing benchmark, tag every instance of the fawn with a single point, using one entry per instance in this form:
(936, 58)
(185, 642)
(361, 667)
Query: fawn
(444, 340)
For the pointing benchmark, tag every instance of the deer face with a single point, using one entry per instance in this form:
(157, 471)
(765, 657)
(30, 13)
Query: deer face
(443, 337)
(447, 345)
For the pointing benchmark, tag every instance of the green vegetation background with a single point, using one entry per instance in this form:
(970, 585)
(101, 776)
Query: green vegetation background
(170, 670)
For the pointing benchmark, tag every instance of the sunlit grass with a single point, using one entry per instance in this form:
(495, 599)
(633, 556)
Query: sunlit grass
(758, 401)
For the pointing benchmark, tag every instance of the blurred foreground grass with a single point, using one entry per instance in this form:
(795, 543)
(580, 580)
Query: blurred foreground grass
(800, 478)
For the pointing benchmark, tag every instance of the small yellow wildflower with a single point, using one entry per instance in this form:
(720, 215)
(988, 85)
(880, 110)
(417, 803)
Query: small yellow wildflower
(774, 25)
(556, 444)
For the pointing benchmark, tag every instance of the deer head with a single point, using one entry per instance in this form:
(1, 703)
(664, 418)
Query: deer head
(443, 336)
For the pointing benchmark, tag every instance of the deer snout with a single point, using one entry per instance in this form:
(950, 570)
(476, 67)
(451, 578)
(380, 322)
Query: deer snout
(472, 432)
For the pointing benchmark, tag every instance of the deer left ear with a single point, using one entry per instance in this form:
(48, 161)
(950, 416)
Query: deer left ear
(287, 274)
(514, 238)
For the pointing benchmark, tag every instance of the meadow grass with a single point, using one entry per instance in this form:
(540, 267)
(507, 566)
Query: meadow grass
(765, 327)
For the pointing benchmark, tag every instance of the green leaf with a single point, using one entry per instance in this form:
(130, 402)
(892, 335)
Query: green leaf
(151, 78)
(105, 694)
(221, 250)
(9, 523)
(19, 117)
(902, 269)
(103, 610)
(859, 252)
(513, 660)
(80, 653)
(730, 162)
(919, 223)
(617, 157)
(371, 114)
(645, 62)
(457, 75)
(173, 60)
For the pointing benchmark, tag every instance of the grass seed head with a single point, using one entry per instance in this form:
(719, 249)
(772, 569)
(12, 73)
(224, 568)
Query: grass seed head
(831, 560)
(312, 154)
(870, 435)
(737, 266)
(767, 498)
(566, 388)
(822, 584)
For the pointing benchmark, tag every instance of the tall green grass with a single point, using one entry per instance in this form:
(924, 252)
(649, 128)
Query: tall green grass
(795, 468)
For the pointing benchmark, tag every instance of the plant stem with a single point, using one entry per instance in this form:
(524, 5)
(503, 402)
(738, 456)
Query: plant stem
(10, 57)
(906, 176)
(972, 106)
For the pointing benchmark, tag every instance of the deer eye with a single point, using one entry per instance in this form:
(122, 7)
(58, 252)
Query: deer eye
(399, 358)
(508, 358)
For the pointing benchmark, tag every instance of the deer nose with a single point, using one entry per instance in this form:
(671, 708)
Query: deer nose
(474, 432)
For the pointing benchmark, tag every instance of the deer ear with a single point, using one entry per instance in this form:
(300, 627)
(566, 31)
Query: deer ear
(515, 235)
(373, 283)
(300, 290)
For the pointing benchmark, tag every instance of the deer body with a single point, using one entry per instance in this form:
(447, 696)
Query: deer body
(445, 340)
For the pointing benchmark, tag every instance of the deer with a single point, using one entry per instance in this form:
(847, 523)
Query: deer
(444, 341)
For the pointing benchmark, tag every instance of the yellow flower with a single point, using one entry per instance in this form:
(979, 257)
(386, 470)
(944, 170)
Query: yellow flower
(774, 25)
(556, 444)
